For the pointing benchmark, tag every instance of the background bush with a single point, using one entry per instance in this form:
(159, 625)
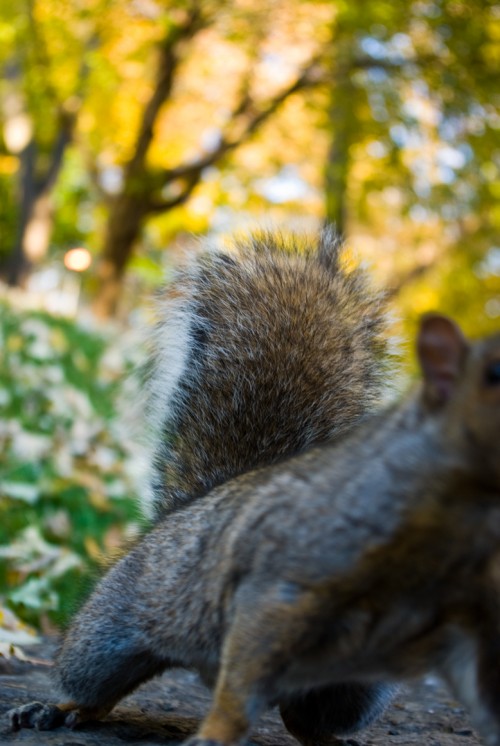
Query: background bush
(66, 468)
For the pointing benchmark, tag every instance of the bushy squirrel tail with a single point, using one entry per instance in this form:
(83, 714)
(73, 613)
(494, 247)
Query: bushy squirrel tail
(258, 352)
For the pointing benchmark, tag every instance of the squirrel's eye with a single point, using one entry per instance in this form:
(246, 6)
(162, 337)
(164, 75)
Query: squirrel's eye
(492, 373)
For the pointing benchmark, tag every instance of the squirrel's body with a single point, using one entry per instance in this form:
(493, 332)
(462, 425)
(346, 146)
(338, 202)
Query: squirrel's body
(316, 582)
(348, 563)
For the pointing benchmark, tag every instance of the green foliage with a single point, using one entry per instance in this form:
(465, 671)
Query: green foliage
(65, 484)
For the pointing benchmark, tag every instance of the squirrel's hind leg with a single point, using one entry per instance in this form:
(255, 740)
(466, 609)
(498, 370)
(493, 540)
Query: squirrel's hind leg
(320, 716)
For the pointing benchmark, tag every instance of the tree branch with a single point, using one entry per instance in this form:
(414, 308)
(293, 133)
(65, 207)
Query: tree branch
(159, 206)
(167, 66)
(68, 113)
(397, 285)
(246, 109)
(63, 139)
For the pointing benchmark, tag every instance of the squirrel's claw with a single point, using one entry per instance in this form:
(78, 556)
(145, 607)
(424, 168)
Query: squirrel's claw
(36, 715)
(47, 717)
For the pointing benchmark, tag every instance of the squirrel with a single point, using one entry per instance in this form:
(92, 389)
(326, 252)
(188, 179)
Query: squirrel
(259, 352)
(357, 563)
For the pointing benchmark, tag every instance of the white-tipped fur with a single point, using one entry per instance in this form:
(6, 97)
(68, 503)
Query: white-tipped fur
(171, 341)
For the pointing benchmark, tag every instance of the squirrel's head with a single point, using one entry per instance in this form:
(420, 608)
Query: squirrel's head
(461, 379)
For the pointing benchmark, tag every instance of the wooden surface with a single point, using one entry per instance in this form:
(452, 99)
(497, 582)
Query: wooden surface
(169, 708)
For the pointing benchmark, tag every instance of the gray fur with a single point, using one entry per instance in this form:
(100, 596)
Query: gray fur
(372, 560)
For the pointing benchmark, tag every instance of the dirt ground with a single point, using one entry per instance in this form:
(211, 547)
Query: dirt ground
(168, 709)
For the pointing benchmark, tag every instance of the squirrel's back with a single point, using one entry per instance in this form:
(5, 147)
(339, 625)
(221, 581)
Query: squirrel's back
(258, 353)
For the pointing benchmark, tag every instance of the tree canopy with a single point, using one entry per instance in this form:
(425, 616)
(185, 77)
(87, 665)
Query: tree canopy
(129, 124)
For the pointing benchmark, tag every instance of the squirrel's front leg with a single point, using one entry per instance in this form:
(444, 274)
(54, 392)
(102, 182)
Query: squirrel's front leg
(105, 655)
(97, 675)
(96, 671)
(44, 716)
(237, 701)
(265, 630)
(472, 670)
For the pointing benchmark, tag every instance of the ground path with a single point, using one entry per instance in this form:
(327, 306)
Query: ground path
(168, 709)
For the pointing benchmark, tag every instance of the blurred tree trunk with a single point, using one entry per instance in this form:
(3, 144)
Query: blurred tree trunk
(35, 213)
(125, 221)
(40, 161)
(128, 210)
(342, 126)
(342, 118)
(148, 191)
(15, 266)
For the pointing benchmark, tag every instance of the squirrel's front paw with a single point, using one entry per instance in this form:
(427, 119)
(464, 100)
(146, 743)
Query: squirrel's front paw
(47, 717)
(36, 715)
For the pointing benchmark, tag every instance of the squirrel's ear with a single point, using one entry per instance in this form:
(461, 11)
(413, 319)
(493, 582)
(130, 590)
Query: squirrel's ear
(442, 349)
